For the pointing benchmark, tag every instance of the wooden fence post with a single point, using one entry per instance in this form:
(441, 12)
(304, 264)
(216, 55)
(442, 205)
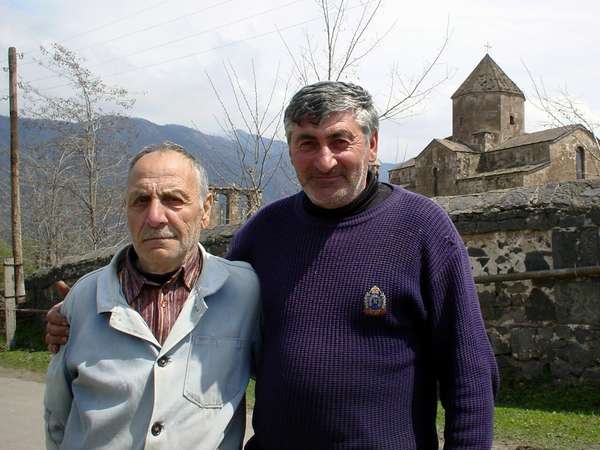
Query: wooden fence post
(10, 302)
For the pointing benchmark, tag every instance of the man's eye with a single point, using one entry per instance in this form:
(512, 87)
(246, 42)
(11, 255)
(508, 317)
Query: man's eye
(307, 146)
(172, 201)
(340, 144)
(140, 201)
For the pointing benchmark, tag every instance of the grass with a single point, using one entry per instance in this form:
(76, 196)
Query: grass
(33, 361)
(552, 417)
(29, 352)
(538, 415)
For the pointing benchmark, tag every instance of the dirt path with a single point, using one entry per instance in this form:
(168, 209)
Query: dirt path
(22, 424)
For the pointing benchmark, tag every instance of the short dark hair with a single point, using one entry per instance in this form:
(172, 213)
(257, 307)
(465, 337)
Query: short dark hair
(317, 101)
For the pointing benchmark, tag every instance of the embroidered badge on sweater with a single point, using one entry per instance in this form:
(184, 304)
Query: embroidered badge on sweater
(374, 303)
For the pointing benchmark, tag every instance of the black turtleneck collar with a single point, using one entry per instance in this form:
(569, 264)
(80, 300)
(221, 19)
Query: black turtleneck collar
(373, 194)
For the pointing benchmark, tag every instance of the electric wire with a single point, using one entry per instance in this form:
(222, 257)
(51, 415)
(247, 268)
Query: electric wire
(174, 41)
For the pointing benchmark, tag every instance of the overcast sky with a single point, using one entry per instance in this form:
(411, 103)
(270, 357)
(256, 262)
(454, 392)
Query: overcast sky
(162, 51)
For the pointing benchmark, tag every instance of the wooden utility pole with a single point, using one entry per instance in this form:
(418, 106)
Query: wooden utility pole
(15, 197)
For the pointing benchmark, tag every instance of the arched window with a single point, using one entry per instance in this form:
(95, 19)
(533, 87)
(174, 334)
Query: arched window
(580, 163)
(512, 119)
(223, 205)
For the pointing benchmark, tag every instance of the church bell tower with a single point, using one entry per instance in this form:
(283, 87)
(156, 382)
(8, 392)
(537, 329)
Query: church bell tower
(487, 108)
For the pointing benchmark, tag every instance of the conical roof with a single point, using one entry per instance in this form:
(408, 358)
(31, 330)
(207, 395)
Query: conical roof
(488, 77)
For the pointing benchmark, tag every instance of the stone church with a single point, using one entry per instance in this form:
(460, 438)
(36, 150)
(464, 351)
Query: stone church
(489, 148)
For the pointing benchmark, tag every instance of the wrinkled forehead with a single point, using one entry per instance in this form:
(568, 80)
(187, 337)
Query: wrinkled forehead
(163, 171)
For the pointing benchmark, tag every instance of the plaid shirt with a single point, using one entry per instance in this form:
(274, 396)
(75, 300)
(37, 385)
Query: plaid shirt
(158, 304)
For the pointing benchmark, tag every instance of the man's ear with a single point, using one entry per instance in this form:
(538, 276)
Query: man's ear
(373, 142)
(206, 209)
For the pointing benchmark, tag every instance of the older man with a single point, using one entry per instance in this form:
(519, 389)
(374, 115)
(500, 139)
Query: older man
(368, 300)
(160, 339)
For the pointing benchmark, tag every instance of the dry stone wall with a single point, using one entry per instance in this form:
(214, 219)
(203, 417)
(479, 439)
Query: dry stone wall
(546, 324)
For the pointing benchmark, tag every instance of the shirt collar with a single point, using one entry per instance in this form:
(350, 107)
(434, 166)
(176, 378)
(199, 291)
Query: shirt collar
(135, 279)
(213, 274)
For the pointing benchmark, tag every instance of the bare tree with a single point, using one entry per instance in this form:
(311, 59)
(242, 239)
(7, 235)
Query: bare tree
(87, 152)
(255, 138)
(49, 203)
(563, 109)
(347, 40)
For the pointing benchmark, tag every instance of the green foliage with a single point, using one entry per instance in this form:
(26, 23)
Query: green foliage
(29, 265)
(30, 332)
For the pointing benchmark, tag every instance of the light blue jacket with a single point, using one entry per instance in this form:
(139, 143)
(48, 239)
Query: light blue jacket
(113, 386)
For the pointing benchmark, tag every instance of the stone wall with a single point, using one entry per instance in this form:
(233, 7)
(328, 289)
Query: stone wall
(535, 254)
(543, 318)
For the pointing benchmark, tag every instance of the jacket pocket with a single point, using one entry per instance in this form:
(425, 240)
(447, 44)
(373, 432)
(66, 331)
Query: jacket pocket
(216, 370)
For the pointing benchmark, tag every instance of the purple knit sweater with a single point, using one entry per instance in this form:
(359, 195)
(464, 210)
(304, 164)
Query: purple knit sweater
(332, 376)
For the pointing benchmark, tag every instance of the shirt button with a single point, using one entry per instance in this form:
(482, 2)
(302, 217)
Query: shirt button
(157, 427)
(163, 361)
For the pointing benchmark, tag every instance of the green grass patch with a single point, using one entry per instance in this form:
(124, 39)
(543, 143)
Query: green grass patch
(548, 416)
(250, 394)
(29, 352)
(549, 430)
(34, 361)
(541, 415)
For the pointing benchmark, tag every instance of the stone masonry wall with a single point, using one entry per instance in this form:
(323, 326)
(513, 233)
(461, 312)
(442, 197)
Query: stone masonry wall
(539, 327)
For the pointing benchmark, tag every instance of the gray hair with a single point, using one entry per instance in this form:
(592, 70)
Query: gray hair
(172, 147)
(317, 101)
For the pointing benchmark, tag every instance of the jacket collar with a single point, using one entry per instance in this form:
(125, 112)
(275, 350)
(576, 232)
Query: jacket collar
(109, 295)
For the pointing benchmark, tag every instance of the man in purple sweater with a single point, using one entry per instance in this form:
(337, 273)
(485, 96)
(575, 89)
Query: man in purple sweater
(369, 306)
(368, 300)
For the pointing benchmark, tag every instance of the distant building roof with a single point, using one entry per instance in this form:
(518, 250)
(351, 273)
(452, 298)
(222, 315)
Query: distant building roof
(488, 77)
(455, 146)
(408, 163)
(539, 136)
(508, 171)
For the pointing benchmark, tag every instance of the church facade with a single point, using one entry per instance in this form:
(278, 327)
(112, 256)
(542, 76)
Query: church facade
(489, 148)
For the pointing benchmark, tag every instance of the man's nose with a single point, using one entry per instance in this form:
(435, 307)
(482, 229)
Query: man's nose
(325, 160)
(156, 214)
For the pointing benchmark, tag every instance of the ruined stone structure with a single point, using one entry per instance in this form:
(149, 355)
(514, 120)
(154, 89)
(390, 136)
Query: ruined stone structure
(535, 254)
(489, 148)
(232, 205)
